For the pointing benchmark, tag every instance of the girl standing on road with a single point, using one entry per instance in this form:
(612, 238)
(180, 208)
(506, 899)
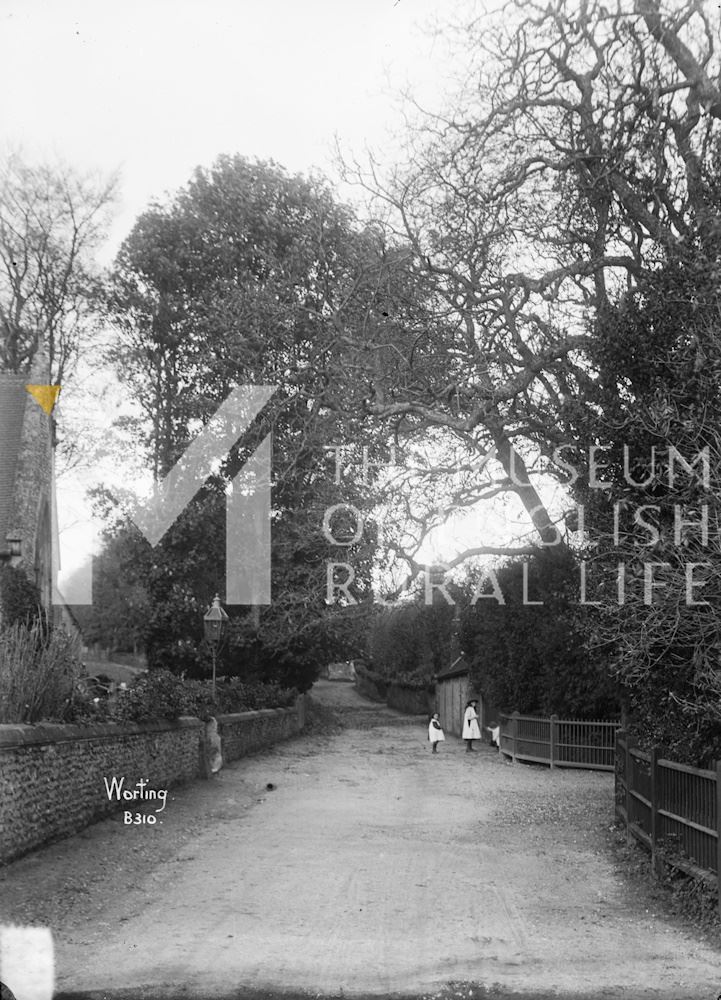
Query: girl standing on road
(435, 732)
(471, 730)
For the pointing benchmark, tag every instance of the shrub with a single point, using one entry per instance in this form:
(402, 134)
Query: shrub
(161, 694)
(19, 598)
(239, 697)
(39, 672)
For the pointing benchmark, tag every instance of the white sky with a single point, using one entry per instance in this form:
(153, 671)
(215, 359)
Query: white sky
(153, 89)
(157, 87)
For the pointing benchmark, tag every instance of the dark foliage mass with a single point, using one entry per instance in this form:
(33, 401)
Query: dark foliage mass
(162, 694)
(533, 658)
(412, 642)
(19, 598)
(656, 397)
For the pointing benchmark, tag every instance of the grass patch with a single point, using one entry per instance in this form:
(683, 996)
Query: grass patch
(668, 890)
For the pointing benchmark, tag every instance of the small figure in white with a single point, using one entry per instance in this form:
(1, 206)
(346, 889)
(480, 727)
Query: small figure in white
(435, 732)
(495, 732)
(471, 729)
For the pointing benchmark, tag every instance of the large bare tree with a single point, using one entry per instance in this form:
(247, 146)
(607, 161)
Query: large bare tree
(568, 164)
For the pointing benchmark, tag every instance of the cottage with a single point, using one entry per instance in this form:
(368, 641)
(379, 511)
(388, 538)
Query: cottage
(27, 484)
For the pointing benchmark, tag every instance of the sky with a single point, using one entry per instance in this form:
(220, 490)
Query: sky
(155, 88)
(150, 90)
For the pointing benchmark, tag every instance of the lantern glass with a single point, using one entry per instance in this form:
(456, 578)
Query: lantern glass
(212, 631)
(213, 621)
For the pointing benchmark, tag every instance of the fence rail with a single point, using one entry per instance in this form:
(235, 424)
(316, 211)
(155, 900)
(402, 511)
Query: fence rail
(559, 742)
(670, 807)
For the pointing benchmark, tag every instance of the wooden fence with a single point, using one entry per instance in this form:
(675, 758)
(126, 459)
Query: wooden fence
(559, 742)
(670, 807)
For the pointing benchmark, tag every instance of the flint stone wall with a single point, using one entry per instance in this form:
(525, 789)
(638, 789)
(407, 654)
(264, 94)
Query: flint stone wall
(51, 776)
(249, 732)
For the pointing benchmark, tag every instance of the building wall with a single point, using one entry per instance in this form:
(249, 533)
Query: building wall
(31, 513)
(52, 776)
(13, 400)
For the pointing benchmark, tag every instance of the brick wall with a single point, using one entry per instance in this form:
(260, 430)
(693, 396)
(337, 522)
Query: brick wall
(51, 776)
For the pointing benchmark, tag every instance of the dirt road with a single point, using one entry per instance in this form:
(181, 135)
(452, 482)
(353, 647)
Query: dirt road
(371, 867)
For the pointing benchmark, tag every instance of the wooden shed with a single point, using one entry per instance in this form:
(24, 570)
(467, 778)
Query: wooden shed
(452, 692)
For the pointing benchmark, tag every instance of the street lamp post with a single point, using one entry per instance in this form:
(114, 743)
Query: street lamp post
(213, 623)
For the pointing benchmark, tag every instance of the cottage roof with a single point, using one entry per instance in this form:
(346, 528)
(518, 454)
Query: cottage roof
(13, 400)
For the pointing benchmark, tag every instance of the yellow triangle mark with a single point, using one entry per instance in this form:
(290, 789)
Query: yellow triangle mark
(45, 395)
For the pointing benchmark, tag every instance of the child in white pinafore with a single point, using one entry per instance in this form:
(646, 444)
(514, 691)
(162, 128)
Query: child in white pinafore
(435, 732)
(471, 729)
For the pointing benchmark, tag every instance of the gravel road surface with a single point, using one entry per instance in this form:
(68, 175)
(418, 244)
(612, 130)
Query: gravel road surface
(371, 867)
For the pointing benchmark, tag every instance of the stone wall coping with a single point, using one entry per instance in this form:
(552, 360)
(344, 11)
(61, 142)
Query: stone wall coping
(17, 734)
(255, 713)
(54, 732)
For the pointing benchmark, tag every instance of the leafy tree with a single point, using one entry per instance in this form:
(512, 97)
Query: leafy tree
(120, 606)
(248, 276)
(658, 363)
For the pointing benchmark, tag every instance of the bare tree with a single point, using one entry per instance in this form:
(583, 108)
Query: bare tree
(570, 163)
(52, 219)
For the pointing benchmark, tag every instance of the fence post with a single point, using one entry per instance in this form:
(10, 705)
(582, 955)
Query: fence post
(514, 733)
(718, 831)
(653, 769)
(554, 738)
(616, 770)
(627, 783)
